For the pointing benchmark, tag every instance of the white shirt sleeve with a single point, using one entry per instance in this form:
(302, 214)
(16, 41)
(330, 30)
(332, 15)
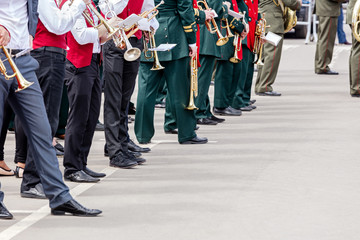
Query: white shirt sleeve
(83, 34)
(59, 21)
(116, 5)
(149, 5)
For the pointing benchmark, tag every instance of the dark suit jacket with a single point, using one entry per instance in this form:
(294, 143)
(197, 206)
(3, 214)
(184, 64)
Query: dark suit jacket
(33, 16)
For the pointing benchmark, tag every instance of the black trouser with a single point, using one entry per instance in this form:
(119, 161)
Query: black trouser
(119, 76)
(84, 93)
(50, 75)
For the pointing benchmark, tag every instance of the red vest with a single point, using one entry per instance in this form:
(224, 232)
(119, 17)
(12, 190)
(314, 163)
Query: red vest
(253, 14)
(79, 55)
(45, 38)
(134, 6)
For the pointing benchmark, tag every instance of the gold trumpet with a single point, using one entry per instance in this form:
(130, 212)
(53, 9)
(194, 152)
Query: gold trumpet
(237, 45)
(193, 84)
(118, 35)
(258, 44)
(355, 20)
(213, 29)
(133, 29)
(22, 82)
(153, 54)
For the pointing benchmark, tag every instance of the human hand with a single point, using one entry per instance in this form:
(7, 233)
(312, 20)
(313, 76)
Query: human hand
(227, 4)
(4, 36)
(209, 14)
(192, 51)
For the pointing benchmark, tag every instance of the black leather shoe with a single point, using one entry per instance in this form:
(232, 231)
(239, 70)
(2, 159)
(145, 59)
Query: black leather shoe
(252, 101)
(252, 106)
(135, 148)
(272, 94)
(4, 213)
(122, 161)
(216, 119)
(74, 208)
(81, 177)
(173, 131)
(229, 111)
(196, 140)
(59, 147)
(132, 157)
(246, 109)
(99, 127)
(35, 192)
(355, 95)
(93, 174)
(136, 154)
(206, 121)
(328, 72)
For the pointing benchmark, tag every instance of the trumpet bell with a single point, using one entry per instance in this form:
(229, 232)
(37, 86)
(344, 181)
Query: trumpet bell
(22, 83)
(157, 67)
(222, 41)
(234, 60)
(132, 54)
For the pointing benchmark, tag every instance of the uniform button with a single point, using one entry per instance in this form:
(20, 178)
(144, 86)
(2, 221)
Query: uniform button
(165, 29)
(166, 36)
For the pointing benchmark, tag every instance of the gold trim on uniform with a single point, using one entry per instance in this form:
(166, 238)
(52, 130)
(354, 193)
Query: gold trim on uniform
(190, 26)
(188, 30)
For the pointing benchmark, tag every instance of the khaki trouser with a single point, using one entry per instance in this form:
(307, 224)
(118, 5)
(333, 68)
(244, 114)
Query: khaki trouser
(354, 64)
(325, 44)
(267, 73)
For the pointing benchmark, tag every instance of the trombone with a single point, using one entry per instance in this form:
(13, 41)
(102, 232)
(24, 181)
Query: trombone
(153, 53)
(22, 82)
(118, 35)
(193, 84)
(213, 29)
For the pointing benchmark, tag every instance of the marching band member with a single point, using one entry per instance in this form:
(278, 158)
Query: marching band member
(49, 50)
(354, 56)
(243, 91)
(18, 20)
(120, 76)
(209, 52)
(84, 93)
(227, 72)
(328, 13)
(272, 54)
(177, 25)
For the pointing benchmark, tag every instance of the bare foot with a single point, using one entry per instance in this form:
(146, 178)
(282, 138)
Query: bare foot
(3, 165)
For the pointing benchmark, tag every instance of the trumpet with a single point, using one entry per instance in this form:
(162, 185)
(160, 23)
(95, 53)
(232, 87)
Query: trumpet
(118, 35)
(237, 45)
(193, 84)
(213, 29)
(259, 34)
(22, 82)
(157, 65)
(133, 29)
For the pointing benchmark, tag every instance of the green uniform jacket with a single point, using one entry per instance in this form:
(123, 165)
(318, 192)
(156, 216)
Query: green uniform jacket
(349, 11)
(177, 25)
(207, 40)
(227, 51)
(327, 8)
(274, 14)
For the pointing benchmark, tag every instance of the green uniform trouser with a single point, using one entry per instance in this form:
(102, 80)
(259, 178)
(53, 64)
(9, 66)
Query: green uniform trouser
(267, 73)
(177, 74)
(325, 44)
(354, 65)
(161, 94)
(202, 101)
(226, 79)
(243, 90)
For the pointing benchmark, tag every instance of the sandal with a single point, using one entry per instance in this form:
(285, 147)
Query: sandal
(19, 172)
(4, 172)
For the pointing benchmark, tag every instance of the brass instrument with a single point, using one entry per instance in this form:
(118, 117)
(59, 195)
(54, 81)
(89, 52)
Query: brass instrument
(193, 84)
(290, 19)
(133, 29)
(259, 34)
(356, 20)
(229, 34)
(22, 82)
(213, 29)
(157, 65)
(237, 45)
(118, 35)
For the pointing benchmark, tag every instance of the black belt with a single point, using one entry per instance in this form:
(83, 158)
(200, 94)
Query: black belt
(51, 49)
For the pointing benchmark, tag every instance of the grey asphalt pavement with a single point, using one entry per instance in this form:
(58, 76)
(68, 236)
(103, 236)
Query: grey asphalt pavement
(288, 170)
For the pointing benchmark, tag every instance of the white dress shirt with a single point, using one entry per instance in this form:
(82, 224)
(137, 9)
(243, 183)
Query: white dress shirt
(84, 35)
(60, 21)
(14, 17)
